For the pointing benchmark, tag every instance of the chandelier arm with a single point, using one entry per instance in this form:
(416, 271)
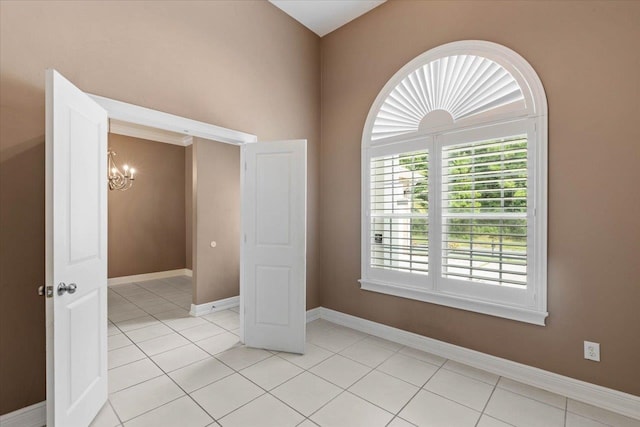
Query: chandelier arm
(118, 180)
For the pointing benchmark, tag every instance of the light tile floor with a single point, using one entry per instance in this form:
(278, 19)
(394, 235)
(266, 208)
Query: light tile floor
(169, 369)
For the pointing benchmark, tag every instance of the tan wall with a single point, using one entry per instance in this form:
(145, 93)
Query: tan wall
(188, 206)
(217, 218)
(147, 222)
(239, 64)
(587, 55)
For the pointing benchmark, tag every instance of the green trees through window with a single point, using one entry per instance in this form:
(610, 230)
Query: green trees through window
(484, 207)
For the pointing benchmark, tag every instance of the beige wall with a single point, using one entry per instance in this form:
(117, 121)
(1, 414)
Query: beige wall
(217, 218)
(188, 206)
(588, 58)
(147, 222)
(239, 64)
(211, 61)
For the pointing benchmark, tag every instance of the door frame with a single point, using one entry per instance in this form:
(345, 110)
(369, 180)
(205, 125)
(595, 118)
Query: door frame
(142, 116)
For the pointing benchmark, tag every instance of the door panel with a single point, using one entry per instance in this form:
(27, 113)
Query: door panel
(84, 194)
(272, 295)
(273, 280)
(76, 253)
(273, 198)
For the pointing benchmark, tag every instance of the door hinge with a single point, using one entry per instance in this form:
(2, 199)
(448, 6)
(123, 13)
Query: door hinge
(47, 289)
(245, 238)
(245, 166)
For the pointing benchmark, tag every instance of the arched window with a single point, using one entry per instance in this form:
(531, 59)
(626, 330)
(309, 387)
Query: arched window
(454, 183)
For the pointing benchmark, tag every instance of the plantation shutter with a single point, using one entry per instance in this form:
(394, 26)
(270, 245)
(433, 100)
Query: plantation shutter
(484, 211)
(454, 183)
(399, 212)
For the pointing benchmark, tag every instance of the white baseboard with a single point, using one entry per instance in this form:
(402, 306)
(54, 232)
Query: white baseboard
(213, 306)
(31, 416)
(149, 276)
(313, 314)
(606, 398)
(602, 397)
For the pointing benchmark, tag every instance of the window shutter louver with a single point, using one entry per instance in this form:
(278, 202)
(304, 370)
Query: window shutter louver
(400, 212)
(484, 211)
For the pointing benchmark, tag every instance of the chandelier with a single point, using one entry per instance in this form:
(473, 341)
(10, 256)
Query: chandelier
(117, 179)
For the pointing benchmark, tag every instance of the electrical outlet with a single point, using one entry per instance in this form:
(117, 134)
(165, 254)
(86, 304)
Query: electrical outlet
(592, 351)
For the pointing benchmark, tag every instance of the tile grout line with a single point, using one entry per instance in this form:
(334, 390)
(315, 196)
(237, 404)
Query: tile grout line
(329, 327)
(311, 373)
(234, 371)
(257, 385)
(173, 331)
(268, 391)
(397, 414)
(532, 398)
(346, 389)
(172, 380)
(152, 409)
(495, 386)
(371, 369)
(114, 411)
(300, 373)
(149, 291)
(397, 351)
(324, 379)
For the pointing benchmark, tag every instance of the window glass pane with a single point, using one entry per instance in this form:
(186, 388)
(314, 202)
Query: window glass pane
(399, 212)
(484, 207)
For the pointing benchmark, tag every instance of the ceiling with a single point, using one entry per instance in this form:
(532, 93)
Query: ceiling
(324, 16)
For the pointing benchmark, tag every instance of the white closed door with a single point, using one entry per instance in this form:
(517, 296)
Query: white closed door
(273, 272)
(76, 254)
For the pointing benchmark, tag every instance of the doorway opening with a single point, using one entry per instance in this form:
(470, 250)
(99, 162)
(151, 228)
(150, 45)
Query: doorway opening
(272, 256)
(174, 254)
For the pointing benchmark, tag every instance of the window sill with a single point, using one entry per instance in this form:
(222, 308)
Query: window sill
(493, 309)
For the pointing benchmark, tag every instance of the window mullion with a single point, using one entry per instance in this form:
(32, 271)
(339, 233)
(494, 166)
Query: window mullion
(435, 233)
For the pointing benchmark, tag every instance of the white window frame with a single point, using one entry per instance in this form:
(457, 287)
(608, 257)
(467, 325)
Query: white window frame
(528, 305)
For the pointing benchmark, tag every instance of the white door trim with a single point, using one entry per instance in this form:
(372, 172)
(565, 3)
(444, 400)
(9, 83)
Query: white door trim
(136, 115)
(151, 134)
(130, 113)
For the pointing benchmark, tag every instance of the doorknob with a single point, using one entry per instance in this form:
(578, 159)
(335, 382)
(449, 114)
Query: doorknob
(63, 287)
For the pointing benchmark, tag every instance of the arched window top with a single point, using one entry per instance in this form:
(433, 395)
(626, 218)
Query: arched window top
(454, 183)
(455, 85)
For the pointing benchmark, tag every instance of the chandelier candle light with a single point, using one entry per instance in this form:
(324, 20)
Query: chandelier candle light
(117, 179)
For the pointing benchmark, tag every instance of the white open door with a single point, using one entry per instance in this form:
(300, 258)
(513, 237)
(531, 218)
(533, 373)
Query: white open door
(273, 271)
(76, 254)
